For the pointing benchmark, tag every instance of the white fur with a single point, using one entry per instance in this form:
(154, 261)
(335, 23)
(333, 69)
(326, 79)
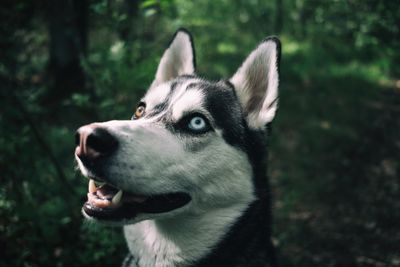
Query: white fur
(257, 79)
(180, 91)
(218, 179)
(191, 100)
(218, 173)
(157, 95)
(141, 142)
(181, 239)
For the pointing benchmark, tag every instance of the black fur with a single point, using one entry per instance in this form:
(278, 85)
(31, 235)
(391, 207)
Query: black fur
(241, 245)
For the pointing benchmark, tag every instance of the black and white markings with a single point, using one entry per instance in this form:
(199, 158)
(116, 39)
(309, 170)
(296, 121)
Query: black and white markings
(205, 140)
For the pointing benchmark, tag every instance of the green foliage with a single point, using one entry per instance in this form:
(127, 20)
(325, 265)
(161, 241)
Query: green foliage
(334, 156)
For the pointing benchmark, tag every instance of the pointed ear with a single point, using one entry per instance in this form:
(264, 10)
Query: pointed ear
(256, 83)
(178, 59)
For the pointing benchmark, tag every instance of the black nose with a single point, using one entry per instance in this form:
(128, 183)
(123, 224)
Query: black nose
(93, 142)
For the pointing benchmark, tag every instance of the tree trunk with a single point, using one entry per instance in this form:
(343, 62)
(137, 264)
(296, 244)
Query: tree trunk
(67, 23)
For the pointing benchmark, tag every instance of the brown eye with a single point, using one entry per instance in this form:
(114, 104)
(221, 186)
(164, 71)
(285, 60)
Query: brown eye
(139, 111)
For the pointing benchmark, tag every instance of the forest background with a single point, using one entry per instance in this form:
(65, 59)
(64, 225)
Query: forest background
(335, 149)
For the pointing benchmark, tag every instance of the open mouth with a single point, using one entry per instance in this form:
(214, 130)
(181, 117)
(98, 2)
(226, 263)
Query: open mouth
(106, 202)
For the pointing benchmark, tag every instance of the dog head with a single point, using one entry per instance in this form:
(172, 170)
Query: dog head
(191, 144)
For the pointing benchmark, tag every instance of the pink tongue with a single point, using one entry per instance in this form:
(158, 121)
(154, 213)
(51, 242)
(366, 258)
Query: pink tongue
(97, 202)
(102, 197)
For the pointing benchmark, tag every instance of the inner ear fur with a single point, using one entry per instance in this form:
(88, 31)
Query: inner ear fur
(256, 83)
(178, 59)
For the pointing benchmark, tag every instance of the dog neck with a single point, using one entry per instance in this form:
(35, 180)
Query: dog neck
(179, 241)
(211, 239)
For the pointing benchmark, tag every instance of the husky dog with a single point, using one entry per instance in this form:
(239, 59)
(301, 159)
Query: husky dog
(186, 176)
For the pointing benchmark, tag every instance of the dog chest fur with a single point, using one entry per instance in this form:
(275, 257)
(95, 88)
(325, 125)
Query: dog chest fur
(179, 241)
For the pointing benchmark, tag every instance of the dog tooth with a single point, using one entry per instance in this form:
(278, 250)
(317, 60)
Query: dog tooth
(117, 198)
(100, 184)
(92, 186)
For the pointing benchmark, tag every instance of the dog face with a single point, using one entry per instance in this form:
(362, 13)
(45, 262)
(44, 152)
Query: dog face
(186, 149)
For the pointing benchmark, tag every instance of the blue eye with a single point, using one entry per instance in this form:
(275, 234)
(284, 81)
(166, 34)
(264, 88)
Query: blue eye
(197, 123)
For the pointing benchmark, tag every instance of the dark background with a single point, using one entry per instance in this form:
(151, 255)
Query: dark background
(335, 147)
